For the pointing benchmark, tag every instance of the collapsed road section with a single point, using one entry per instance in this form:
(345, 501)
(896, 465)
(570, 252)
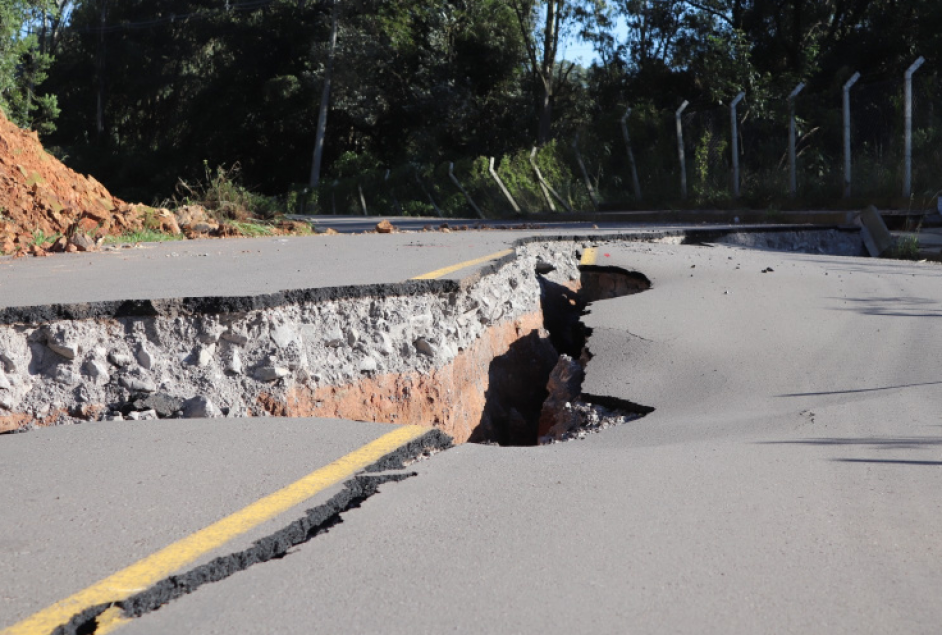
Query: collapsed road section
(497, 357)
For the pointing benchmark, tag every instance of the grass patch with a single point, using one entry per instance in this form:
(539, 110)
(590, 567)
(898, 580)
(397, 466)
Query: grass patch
(142, 236)
(906, 248)
(251, 229)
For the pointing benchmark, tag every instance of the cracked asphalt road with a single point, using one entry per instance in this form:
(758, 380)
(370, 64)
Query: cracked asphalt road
(787, 480)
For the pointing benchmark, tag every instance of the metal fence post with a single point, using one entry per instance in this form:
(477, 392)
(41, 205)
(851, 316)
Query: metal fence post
(362, 199)
(454, 179)
(847, 173)
(631, 155)
(680, 149)
(792, 154)
(585, 173)
(546, 186)
(908, 152)
(503, 188)
(734, 121)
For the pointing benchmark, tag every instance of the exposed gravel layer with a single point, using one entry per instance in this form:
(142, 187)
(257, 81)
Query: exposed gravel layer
(207, 357)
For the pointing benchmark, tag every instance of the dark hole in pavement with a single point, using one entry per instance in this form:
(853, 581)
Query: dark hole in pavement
(518, 395)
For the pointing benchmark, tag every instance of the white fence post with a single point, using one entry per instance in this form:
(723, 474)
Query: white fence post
(546, 186)
(362, 199)
(847, 173)
(503, 188)
(680, 149)
(734, 121)
(631, 155)
(792, 153)
(908, 151)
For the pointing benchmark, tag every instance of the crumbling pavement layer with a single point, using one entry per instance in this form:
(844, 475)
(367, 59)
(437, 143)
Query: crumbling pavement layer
(409, 353)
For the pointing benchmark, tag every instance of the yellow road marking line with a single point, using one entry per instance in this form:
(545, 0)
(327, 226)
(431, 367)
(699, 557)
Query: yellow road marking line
(589, 256)
(111, 620)
(438, 273)
(156, 567)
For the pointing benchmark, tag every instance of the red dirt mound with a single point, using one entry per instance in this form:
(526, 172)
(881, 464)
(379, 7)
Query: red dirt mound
(46, 206)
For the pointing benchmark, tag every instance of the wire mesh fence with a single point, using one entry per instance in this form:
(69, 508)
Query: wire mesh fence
(877, 160)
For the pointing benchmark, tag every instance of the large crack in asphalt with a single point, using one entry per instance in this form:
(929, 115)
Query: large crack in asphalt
(315, 522)
(477, 358)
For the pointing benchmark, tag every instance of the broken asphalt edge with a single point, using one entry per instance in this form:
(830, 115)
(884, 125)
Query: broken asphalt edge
(316, 521)
(216, 305)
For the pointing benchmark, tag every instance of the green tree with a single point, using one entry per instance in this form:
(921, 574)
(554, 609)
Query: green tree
(24, 62)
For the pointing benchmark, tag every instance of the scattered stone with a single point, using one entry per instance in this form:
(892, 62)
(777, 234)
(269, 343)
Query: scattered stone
(271, 373)
(211, 333)
(367, 365)
(82, 242)
(97, 370)
(163, 404)
(114, 416)
(6, 402)
(234, 367)
(145, 415)
(8, 364)
(4, 382)
(138, 385)
(425, 347)
(119, 359)
(145, 358)
(383, 343)
(235, 338)
(60, 341)
(203, 356)
(768, 270)
(564, 386)
(385, 227)
(66, 376)
(283, 336)
(200, 408)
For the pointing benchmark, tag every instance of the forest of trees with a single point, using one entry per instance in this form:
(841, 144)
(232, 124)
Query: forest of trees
(142, 93)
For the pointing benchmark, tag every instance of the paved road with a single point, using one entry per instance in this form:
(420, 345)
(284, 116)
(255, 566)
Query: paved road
(786, 482)
(247, 266)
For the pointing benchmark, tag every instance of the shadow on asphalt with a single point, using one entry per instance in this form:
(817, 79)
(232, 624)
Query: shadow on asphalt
(882, 443)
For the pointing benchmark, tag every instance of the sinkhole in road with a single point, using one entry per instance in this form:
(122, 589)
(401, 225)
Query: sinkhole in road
(535, 388)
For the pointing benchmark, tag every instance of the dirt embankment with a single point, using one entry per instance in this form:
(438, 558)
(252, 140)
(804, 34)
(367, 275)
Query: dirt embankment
(45, 206)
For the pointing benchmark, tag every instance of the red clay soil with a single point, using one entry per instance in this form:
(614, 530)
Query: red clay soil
(41, 198)
(451, 398)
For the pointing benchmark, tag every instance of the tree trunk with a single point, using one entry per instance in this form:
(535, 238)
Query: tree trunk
(325, 99)
(547, 70)
(100, 109)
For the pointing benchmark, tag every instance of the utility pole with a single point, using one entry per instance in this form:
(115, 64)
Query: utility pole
(325, 99)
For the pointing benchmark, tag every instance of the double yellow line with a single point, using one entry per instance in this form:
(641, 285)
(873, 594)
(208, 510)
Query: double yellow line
(145, 573)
